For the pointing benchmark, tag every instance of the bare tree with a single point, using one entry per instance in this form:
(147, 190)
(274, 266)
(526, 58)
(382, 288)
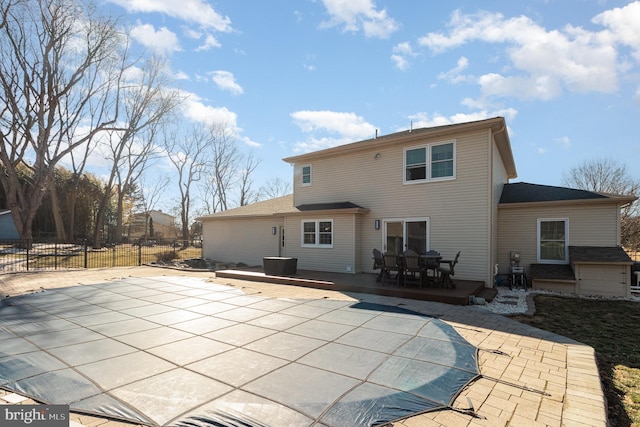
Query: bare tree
(604, 176)
(191, 155)
(145, 101)
(226, 161)
(247, 194)
(150, 191)
(275, 187)
(56, 74)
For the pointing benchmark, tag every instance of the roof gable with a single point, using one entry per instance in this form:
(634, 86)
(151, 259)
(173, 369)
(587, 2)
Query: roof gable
(496, 125)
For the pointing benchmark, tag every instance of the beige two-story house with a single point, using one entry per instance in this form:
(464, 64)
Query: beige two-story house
(440, 188)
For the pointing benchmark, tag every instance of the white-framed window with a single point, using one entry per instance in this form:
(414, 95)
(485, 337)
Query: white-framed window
(317, 233)
(430, 162)
(553, 240)
(306, 175)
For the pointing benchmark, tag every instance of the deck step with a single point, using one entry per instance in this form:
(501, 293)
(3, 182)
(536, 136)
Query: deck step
(488, 294)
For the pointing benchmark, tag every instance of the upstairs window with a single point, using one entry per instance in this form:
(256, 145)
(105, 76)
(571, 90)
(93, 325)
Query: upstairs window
(306, 175)
(429, 162)
(442, 161)
(553, 241)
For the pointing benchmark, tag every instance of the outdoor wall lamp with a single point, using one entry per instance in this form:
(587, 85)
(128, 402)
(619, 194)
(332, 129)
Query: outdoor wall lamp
(377, 224)
(273, 231)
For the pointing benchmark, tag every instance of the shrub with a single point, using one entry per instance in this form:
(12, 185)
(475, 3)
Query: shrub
(166, 256)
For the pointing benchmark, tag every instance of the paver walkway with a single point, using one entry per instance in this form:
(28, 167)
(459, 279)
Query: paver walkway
(530, 377)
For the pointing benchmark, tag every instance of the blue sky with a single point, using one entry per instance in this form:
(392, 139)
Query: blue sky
(292, 76)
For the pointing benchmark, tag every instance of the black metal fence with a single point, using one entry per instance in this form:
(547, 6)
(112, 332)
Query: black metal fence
(26, 255)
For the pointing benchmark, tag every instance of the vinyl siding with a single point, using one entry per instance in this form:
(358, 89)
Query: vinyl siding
(499, 179)
(588, 226)
(459, 210)
(239, 240)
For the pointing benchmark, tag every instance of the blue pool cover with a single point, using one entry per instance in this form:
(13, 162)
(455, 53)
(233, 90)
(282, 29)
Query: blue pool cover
(181, 351)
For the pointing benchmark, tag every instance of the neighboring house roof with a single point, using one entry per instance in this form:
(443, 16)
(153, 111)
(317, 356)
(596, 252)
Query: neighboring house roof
(587, 254)
(497, 125)
(282, 206)
(522, 192)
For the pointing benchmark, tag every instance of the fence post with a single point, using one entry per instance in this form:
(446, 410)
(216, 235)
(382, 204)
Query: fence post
(139, 254)
(85, 254)
(28, 246)
(55, 256)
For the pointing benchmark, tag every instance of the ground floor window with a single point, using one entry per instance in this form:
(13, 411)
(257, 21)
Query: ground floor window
(553, 240)
(317, 233)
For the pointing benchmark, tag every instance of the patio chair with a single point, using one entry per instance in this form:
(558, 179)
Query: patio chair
(430, 261)
(446, 270)
(391, 264)
(378, 263)
(412, 269)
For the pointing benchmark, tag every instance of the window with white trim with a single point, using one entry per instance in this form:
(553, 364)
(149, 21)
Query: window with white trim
(306, 175)
(317, 233)
(430, 162)
(553, 241)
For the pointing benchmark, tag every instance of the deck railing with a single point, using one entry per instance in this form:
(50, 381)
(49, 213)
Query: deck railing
(27, 255)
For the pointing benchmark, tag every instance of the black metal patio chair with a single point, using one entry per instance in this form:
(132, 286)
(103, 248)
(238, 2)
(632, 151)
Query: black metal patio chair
(446, 270)
(391, 264)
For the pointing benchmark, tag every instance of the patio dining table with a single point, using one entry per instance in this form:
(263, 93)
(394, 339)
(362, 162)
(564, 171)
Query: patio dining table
(428, 261)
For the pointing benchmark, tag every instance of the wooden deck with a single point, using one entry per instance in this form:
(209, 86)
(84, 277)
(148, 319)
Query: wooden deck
(364, 283)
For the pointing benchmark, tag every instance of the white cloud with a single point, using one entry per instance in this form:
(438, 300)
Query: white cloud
(199, 112)
(209, 42)
(541, 87)
(420, 120)
(194, 11)
(195, 109)
(623, 25)
(543, 62)
(401, 52)
(454, 75)
(162, 40)
(181, 75)
(564, 141)
(226, 81)
(360, 15)
(341, 127)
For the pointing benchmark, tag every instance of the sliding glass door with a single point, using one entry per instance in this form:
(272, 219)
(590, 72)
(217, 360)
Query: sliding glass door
(406, 234)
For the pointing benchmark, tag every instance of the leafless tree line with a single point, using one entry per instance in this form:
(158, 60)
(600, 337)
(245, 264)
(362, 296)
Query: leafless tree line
(70, 86)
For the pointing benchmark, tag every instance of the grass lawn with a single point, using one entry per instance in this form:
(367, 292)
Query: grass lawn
(612, 328)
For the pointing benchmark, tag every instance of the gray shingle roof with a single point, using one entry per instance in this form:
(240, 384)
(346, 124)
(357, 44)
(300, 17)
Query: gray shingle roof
(327, 206)
(278, 206)
(522, 192)
(598, 254)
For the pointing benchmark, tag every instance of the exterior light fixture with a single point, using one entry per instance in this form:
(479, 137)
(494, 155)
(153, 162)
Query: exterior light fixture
(273, 231)
(377, 224)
